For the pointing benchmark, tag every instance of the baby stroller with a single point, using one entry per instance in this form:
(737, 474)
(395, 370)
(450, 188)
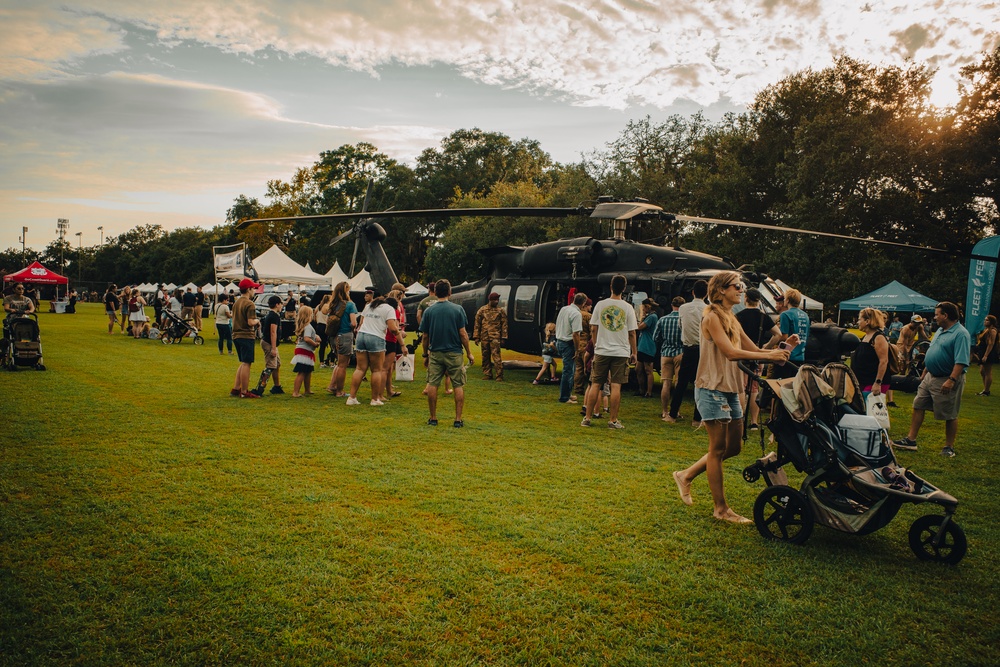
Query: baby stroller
(21, 344)
(177, 329)
(853, 482)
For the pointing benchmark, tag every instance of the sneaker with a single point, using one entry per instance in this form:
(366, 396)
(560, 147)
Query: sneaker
(535, 382)
(585, 422)
(905, 443)
(948, 452)
(276, 389)
(458, 423)
(249, 394)
(615, 424)
(353, 401)
(753, 427)
(571, 401)
(432, 422)
(982, 393)
(257, 392)
(235, 393)
(891, 404)
(598, 415)
(377, 402)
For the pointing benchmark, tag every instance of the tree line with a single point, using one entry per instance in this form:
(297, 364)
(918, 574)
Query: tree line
(852, 149)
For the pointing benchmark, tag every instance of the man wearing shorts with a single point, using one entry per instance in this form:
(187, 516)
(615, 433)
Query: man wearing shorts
(444, 335)
(943, 380)
(245, 323)
(111, 306)
(612, 328)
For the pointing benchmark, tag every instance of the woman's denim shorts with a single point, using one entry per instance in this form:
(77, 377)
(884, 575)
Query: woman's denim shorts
(369, 343)
(723, 406)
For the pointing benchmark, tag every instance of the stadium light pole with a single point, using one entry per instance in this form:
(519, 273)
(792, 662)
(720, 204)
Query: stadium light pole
(23, 239)
(79, 258)
(101, 230)
(62, 224)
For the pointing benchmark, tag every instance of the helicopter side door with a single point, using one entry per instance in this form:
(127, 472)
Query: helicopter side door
(524, 303)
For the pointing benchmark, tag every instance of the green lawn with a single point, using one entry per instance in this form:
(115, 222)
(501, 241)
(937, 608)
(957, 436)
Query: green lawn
(148, 518)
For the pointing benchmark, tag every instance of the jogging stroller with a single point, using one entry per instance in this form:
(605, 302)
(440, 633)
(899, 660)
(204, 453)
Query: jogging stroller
(21, 344)
(853, 482)
(177, 329)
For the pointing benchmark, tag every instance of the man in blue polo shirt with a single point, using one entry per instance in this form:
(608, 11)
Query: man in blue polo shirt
(943, 381)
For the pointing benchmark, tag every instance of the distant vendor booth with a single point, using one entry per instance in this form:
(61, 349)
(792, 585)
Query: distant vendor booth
(36, 274)
(894, 297)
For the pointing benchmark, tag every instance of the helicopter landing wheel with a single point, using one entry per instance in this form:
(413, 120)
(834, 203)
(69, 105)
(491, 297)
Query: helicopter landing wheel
(781, 513)
(951, 546)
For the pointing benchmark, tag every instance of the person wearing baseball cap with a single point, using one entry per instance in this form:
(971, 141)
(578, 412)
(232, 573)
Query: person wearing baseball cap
(245, 323)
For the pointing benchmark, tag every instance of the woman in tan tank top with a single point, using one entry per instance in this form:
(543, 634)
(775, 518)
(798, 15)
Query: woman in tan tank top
(717, 389)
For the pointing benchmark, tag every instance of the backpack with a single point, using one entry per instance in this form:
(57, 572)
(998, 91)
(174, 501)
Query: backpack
(133, 305)
(896, 365)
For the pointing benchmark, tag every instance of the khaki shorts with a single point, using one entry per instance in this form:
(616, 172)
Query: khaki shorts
(616, 366)
(274, 362)
(929, 396)
(440, 364)
(669, 367)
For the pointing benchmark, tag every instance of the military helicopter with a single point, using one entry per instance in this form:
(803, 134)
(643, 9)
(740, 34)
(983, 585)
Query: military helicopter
(535, 281)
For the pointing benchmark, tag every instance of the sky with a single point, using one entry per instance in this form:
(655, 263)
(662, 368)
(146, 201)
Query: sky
(117, 114)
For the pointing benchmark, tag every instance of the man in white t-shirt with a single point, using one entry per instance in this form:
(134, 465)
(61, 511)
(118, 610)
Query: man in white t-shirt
(612, 328)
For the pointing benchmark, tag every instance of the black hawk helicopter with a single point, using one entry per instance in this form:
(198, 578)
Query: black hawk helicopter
(535, 281)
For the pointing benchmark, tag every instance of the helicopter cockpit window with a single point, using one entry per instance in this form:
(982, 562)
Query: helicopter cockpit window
(524, 303)
(504, 292)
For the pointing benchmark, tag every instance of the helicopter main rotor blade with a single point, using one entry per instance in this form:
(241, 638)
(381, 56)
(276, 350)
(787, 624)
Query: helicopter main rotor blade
(341, 237)
(368, 195)
(354, 255)
(545, 212)
(810, 232)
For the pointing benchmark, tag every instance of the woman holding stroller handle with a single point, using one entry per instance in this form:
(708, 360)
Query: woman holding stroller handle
(870, 361)
(718, 386)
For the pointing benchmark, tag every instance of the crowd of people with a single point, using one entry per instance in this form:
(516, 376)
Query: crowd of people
(698, 341)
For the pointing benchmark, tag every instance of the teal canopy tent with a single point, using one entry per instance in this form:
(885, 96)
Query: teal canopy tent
(892, 298)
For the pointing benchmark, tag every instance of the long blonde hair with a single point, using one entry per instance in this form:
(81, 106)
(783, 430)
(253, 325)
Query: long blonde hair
(303, 318)
(716, 287)
(876, 318)
(324, 305)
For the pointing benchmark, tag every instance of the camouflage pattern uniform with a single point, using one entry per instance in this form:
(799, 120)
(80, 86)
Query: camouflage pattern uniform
(580, 379)
(490, 331)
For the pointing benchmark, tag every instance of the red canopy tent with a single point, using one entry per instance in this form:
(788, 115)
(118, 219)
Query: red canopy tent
(36, 274)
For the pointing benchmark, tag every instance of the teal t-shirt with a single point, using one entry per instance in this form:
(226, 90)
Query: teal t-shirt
(441, 322)
(795, 321)
(345, 319)
(646, 344)
(949, 347)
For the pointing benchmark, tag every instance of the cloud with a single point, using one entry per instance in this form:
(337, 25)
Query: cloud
(606, 53)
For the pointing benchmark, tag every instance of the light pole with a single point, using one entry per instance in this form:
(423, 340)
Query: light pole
(101, 230)
(24, 252)
(62, 224)
(79, 258)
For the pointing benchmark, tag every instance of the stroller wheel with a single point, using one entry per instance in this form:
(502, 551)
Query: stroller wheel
(951, 544)
(198, 340)
(781, 513)
(751, 473)
(165, 339)
(40, 367)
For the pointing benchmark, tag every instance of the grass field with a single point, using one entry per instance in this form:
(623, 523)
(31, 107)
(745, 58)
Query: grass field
(147, 518)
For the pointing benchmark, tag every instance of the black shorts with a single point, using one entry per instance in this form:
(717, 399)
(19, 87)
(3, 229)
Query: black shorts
(244, 349)
(393, 347)
(647, 358)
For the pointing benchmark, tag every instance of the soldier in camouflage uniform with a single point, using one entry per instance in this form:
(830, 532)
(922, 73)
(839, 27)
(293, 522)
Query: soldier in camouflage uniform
(580, 379)
(490, 331)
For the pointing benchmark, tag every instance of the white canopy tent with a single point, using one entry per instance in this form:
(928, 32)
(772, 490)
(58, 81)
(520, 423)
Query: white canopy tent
(361, 281)
(274, 266)
(416, 288)
(336, 275)
(808, 303)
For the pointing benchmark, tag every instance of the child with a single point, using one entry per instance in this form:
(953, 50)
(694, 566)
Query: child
(548, 355)
(306, 342)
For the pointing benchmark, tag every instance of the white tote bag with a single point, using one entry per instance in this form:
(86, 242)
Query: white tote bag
(404, 369)
(877, 409)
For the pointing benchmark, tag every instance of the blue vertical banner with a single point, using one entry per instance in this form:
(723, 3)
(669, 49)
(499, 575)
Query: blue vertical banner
(982, 274)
